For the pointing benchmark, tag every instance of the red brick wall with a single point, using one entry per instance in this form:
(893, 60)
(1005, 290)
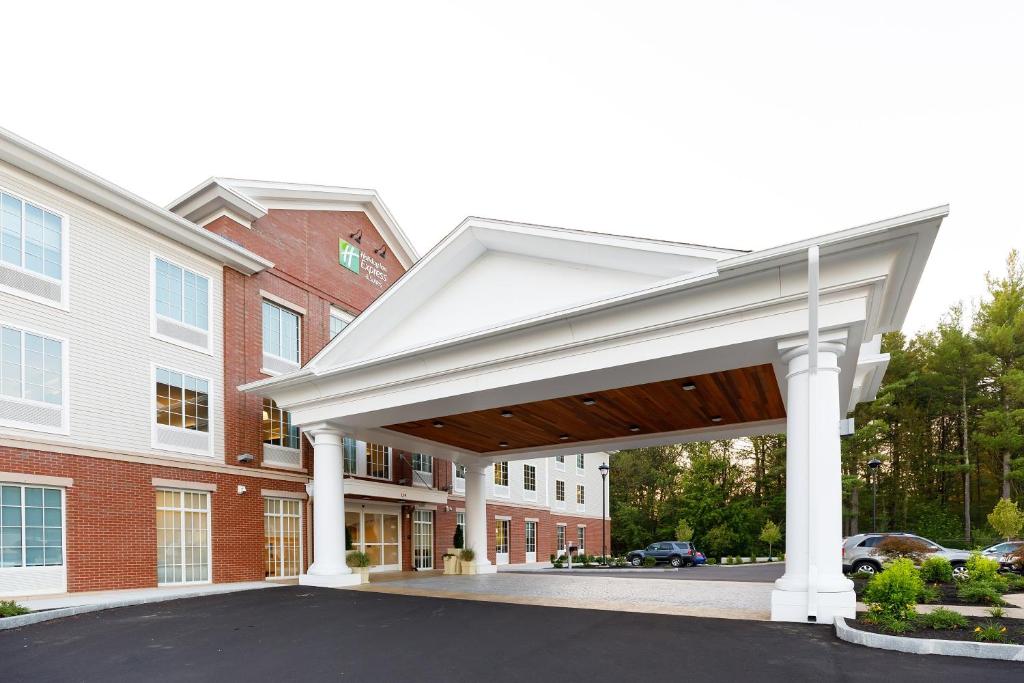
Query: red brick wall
(111, 518)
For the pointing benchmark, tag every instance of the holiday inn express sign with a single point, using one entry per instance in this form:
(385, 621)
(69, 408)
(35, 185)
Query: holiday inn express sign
(352, 257)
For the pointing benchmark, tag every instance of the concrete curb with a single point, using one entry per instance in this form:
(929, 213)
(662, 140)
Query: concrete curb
(61, 612)
(929, 646)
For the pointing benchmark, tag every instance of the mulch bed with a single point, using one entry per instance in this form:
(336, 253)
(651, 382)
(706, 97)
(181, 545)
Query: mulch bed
(1014, 629)
(947, 594)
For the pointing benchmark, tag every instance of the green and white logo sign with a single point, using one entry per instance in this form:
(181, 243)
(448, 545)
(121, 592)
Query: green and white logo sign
(348, 255)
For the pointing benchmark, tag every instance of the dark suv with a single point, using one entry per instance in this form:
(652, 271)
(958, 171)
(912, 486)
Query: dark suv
(676, 553)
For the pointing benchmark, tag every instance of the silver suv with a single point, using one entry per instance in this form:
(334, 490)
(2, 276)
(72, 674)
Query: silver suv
(859, 553)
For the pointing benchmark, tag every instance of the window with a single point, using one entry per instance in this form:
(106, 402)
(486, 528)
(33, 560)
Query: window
(559, 490)
(423, 463)
(339, 321)
(460, 478)
(560, 537)
(32, 366)
(529, 478)
(581, 538)
(560, 462)
(30, 237)
(280, 332)
(182, 401)
(181, 295)
(349, 446)
(378, 461)
(581, 498)
(460, 520)
(31, 526)
(182, 536)
(501, 473)
(531, 539)
(580, 465)
(282, 526)
(278, 429)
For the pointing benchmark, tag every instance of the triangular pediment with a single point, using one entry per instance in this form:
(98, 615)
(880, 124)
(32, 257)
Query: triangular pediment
(490, 274)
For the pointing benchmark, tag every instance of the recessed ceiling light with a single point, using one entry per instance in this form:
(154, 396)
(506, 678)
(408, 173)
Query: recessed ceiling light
(716, 418)
(689, 386)
(506, 413)
(589, 401)
(503, 444)
(634, 428)
(438, 424)
(563, 437)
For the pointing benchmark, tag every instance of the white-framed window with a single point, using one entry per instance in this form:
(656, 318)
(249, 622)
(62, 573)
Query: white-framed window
(580, 465)
(281, 337)
(182, 412)
(460, 520)
(281, 443)
(559, 491)
(560, 538)
(560, 463)
(581, 538)
(581, 498)
(33, 250)
(378, 461)
(423, 469)
(182, 536)
(350, 447)
(529, 482)
(530, 532)
(282, 528)
(458, 478)
(501, 479)
(339, 320)
(181, 304)
(33, 380)
(31, 526)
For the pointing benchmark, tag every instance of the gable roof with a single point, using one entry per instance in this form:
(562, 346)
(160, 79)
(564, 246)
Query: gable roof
(248, 200)
(44, 164)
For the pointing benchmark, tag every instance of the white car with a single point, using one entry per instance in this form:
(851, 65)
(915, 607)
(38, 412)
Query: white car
(1001, 552)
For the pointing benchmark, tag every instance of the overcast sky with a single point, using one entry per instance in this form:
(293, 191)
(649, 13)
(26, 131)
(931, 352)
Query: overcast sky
(739, 124)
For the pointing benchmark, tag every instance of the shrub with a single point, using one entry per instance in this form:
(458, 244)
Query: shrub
(9, 608)
(981, 568)
(929, 594)
(458, 541)
(978, 590)
(551, 557)
(467, 555)
(893, 594)
(650, 562)
(996, 612)
(891, 624)
(357, 559)
(585, 560)
(711, 560)
(937, 569)
(942, 618)
(862, 575)
(1014, 582)
(991, 632)
(557, 564)
(898, 547)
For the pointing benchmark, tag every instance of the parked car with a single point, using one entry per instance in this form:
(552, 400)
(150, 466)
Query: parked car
(860, 553)
(699, 558)
(1001, 552)
(676, 553)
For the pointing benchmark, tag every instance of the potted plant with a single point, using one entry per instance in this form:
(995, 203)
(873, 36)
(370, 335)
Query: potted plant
(466, 557)
(451, 563)
(359, 562)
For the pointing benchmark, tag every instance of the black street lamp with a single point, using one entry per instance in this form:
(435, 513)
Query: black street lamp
(604, 478)
(873, 464)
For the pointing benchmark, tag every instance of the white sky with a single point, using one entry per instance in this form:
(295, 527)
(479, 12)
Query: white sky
(740, 124)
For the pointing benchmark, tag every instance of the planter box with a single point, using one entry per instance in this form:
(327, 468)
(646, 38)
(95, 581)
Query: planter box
(363, 572)
(467, 567)
(451, 565)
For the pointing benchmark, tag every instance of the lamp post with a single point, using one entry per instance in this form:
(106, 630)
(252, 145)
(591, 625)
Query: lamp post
(873, 464)
(603, 467)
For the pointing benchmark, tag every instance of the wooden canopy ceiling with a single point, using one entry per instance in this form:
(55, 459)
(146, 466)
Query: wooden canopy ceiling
(720, 398)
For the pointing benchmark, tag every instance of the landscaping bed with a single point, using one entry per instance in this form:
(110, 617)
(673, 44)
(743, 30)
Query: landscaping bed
(942, 594)
(976, 629)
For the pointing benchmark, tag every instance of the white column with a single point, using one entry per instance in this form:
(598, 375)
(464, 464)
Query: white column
(329, 568)
(476, 516)
(813, 587)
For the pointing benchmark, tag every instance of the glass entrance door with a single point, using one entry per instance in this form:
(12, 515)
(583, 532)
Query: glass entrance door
(282, 524)
(531, 541)
(423, 539)
(501, 528)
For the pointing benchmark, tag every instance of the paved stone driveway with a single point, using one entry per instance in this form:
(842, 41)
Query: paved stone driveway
(729, 600)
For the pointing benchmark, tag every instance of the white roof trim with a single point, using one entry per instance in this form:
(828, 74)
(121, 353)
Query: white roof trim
(27, 156)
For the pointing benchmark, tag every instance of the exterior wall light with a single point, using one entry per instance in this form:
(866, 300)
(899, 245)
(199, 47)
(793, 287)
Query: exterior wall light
(716, 418)
(689, 386)
(634, 428)
(438, 424)
(589, 401)
(506, 413)
(563, 437)
(503, 444)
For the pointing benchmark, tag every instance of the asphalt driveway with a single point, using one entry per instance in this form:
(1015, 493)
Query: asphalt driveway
(300, 633)
(747, 573)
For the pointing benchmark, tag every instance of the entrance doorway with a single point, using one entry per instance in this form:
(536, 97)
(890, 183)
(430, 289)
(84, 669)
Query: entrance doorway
(501, 533)
(423, 539)
(531, 542)
(376, 533)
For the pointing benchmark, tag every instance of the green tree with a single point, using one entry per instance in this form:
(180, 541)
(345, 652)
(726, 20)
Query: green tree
(770, 534)
(1006, 518)
(684, 532)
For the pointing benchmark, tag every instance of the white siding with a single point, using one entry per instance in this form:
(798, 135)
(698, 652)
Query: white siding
(546, 476)
(108, 324)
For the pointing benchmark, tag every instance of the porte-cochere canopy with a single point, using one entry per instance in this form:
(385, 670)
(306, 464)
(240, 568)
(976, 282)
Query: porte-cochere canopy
(510, 341)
